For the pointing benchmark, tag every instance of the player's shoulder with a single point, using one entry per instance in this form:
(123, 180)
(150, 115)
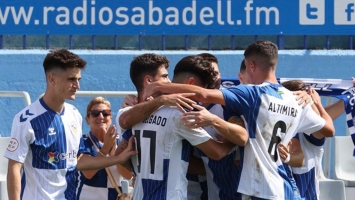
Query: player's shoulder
(29, 112)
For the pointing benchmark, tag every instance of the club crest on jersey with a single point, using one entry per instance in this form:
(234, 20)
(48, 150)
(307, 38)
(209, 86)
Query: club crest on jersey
(13, 145)
(73, 127)
(51, 131)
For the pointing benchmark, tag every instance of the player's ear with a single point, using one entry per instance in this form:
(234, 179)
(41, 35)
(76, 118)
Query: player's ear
(240, 77)
(51, 78)
(147, 79)
(191, 81)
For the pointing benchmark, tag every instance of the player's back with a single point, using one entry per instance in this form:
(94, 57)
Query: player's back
(271, 115)
(163, 155)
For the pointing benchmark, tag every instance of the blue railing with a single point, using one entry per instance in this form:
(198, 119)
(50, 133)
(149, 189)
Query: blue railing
(280, 42)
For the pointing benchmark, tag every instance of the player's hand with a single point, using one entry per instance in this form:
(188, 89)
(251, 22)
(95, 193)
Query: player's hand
(303, 98)
(201, 118)
(283, 151)
(109, 140)
(150, 90)
(129, 100)
(314, 95)
(128, 152)
(353, 81)
(179, 100)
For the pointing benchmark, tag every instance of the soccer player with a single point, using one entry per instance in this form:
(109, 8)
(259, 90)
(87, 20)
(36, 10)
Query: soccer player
(162, 138)
(306, 176)
(271, 114)
(145, 69)
(222, 175)
(45, 136)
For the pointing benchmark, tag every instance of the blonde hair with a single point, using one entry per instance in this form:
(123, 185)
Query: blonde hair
(95, 101)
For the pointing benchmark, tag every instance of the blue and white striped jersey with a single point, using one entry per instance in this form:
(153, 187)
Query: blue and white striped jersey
(99, 186)
(271, 114)
(161, 164)
(222, 175)
(47, 144)
(306, 177)
(197, 184)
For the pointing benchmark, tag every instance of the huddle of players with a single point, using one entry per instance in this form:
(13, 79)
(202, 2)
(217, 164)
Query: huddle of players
(241, 150)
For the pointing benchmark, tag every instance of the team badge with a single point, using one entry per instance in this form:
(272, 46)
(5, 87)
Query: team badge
(13, 145)
(73, 127)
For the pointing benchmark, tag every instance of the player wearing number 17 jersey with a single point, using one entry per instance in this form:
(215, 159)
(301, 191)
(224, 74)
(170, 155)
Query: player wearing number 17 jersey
(162, 141)
(271, 114)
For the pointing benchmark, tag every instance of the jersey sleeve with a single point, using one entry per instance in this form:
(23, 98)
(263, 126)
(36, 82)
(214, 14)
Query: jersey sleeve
(127, 134)
(22, 135)
(237, 99)
(310, 121)
(195, 136)
(119, 130)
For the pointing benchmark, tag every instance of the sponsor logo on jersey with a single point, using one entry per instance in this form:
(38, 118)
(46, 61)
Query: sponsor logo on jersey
(51, 131)
(56, 156)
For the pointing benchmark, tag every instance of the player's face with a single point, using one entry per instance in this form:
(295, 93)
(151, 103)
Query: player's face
(67, 83)
(218, 81)
(161, 75)
(99, 119)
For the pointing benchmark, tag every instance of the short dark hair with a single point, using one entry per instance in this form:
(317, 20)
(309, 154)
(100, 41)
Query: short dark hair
(243, 67)
(263, 52)
(146, 64)
(209, 57)
(62, 59)
(294, 85)
(199, 67)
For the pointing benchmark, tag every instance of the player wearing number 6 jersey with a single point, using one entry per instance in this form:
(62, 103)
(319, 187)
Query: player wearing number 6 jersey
(162, 141)
(270, 112)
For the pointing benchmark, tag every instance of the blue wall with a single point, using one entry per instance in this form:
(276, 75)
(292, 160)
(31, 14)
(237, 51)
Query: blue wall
(21, 70)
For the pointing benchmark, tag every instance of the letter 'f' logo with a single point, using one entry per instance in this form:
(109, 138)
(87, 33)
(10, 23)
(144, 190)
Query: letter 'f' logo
(344, 12)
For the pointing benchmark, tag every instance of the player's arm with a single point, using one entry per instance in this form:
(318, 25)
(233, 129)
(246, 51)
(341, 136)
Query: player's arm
(14, 179)
(233, 131)
(336, 109)
(215, 150)
(124, 169)
(130, 117)
(120, 148)
(328, 129)
(292, 154)
(201, 94)
(86, 162)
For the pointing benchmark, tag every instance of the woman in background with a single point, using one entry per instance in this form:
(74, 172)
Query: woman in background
(101, 141)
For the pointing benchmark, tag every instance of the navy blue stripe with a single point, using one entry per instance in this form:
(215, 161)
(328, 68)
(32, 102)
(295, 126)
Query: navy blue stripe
(306, 184)
(155, 189)
(313, 140)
